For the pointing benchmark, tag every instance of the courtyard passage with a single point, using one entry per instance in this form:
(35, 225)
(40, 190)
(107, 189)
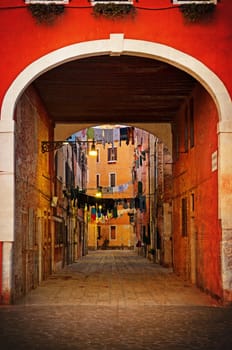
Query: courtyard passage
(115, 300)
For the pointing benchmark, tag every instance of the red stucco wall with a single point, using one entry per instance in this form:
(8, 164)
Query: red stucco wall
(193, 176)
(23, 40)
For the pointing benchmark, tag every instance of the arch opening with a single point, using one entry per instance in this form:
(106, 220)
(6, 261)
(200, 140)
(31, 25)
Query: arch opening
(117, 45)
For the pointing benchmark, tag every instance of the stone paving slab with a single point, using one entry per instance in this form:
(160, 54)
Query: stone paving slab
(116, 278)
(159, 327)
(115, 301)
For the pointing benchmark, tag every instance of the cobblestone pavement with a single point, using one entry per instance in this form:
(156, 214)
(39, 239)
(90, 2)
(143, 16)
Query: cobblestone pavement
(115, 300)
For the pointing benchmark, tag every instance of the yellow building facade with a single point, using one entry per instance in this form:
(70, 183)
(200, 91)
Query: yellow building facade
(110, 221)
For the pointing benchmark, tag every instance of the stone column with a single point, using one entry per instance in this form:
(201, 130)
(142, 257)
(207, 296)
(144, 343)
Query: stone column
(7, 204)
(7, 266)
(225, 205)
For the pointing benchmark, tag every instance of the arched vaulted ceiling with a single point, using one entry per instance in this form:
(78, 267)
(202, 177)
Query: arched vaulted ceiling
(114, 89)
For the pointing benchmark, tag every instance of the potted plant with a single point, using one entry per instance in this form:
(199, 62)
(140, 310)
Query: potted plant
(113, 10)
(194, 12)
(46, 13)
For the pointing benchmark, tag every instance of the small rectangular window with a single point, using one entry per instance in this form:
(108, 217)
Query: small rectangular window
(186, 130)
(112, 180)
(112, 155)
(98, 180)
(192, 202)
(98, 232)
(191, 122)
(112, 232)
(184, 217)
(98, 156)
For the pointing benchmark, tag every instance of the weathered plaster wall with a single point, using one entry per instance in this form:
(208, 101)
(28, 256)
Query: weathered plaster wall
(32, 193)
(195, 180)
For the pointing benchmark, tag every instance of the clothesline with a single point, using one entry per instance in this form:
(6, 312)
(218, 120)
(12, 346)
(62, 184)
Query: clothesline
(108, 136)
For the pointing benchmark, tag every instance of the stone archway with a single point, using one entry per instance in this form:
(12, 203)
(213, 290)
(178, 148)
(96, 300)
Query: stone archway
(116, 45)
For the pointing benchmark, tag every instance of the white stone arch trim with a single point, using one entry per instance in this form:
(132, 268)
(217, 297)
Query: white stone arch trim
(118, 45)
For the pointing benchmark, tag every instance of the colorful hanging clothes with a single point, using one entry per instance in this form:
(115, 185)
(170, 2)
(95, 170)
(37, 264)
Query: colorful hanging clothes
(98, 135)
(123, 135)
(93, 214)
(90, 133)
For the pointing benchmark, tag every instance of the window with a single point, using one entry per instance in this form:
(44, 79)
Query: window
(58, 2)
(98, 155)
(112, 155)
(184, 217)
(112, 232)
(186, 130)
(191, 122)
(112, 180)
(99, 232)
(183, 2)
(192, 202)
(140, 188)
(98, 180)
(59, 232)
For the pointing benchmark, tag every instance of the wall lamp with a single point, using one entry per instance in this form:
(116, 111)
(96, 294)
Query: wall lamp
(49, 146)
(99, 192)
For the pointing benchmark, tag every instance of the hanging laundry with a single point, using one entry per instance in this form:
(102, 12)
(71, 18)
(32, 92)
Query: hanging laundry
(130, 135)
(109, 136)
(116, 134)
(93, 214)
(90, 133)
(123, 135)
(98, 135)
